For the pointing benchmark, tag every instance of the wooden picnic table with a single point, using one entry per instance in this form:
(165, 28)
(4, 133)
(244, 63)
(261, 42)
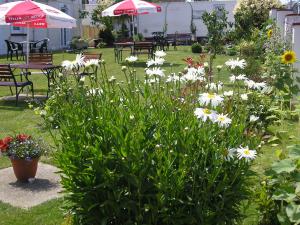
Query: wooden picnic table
(47, 69)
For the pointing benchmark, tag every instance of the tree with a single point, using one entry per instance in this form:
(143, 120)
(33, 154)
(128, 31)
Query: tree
(216, 23)
(250, 14)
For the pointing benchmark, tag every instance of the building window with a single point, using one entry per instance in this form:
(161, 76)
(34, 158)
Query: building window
(16, 30)
(197, 14)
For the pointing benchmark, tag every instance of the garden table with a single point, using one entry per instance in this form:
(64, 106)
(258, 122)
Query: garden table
(119, 48)
(47, 69)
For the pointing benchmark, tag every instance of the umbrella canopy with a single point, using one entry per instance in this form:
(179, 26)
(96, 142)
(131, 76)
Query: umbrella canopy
(34, 15)
(131, 7)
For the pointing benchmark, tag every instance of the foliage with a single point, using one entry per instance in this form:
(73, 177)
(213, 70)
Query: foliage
(123, 32)
(21, 146)
(196, 48)
(216, 23)
(78, 43)
(138, 37)
(133, 152)
(98, 19)
(283, 188)
(107, 36)
(231, 51)
(250, 14)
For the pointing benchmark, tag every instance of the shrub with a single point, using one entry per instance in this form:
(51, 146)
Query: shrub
(107, 36)
(231, 51)
(134, 152)
(250, 14)
(196, 48)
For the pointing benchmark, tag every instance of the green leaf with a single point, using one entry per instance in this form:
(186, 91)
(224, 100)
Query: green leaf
(286, 165)
(295, 151)
(284, 194)
(293, 212)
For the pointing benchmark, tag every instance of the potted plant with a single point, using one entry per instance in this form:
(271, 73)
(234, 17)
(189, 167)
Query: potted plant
(24, 153)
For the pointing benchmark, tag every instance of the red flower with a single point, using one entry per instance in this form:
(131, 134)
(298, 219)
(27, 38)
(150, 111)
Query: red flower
(4, 143)
(189, 61)
(23, 137)
(3, 146)
(7, 140)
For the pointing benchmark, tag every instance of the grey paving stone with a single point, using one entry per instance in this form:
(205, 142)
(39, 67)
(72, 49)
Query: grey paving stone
(45, 187)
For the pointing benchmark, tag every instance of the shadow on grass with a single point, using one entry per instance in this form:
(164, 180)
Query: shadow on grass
(11, 105)
(142, 64)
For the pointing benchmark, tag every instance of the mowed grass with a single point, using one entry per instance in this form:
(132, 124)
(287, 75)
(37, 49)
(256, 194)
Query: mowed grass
(21, 119)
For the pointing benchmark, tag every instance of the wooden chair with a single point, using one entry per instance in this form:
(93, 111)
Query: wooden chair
(144, 48)
(8, 79)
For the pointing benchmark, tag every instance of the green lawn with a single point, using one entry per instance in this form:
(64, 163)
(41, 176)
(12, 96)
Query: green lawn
(15, 119)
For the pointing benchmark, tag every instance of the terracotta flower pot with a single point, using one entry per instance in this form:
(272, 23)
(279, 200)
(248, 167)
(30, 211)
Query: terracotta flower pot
(24, 169)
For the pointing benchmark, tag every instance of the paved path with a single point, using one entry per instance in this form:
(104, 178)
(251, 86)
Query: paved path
(45, 187)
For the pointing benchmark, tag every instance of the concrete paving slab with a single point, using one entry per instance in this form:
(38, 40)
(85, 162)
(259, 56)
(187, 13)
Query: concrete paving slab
(45, 187)
(24, 97)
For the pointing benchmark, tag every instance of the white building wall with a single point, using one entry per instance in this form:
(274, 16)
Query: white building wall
(296, 46)
(280, 19)
(178, 15)
(55, 35)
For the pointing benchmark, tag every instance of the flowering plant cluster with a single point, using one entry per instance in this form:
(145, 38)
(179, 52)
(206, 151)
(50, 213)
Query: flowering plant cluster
(143, 151)
(21, 146)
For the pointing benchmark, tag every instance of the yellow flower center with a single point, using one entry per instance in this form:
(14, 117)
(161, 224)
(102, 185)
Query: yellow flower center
(207, 111)
(247, 152)
(211, 96)
(221, 118)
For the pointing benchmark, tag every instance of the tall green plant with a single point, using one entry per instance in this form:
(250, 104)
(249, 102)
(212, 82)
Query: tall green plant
(141, 152)
(216, 23)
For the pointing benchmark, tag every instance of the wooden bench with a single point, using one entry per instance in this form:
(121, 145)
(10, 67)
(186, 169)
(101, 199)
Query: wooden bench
(179, 38)
(41, 58)
(8, 79)
(143, 47)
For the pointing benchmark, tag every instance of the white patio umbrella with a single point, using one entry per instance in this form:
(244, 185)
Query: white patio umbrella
(131, 8)
(32, 14)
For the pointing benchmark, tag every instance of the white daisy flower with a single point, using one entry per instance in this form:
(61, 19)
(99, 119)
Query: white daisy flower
(91, 62)
(219, 67)
(194, 74)
(157, 61)
(112, 78)
(160, 54)
(94, 91)
(214, 86)
(228, 93)
(174, 78)
(131, 59)
(253, 118)
(79, 59)
(68, 65)
(152, 81)
(78, 62)
(246, 153)
(155, 71)
(244, 97)
(223, 120)
(210, 98)
(205, 114)
(232, 78)
(229, 154)
(232, 64)
(241, 77)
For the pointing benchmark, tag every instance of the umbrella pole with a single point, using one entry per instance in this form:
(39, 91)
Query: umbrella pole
(27, 45)
(132, 22)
